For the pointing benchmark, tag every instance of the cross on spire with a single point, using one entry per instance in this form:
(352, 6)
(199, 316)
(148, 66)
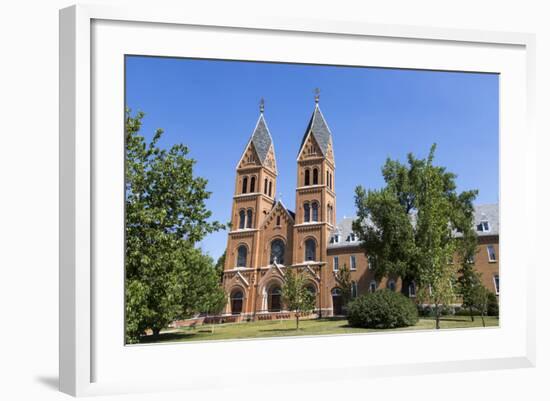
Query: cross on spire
(262, 105)
(317, 95)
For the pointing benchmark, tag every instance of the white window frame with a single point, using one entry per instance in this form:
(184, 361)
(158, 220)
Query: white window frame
(354, 292)
(497, 287)
(375, 286)
(352, 263)
(483, 223)
(491, 260)
(335, 264)
(411, 295)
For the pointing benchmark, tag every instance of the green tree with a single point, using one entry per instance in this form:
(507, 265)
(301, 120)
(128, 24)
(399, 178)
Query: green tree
(296, 295)
(220, 265)
(343, 279)
(468, 278)
(408, 228)
(166, 276)
(480, 300)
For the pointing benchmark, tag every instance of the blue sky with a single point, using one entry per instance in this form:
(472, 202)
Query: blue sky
(373, 113)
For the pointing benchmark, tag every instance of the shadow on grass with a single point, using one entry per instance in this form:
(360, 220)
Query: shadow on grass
(166, 337)
(283, 330)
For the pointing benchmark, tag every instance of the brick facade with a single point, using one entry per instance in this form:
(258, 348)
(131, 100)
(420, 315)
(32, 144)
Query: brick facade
(266, 239)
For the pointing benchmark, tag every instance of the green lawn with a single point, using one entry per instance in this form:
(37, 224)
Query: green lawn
(282, 328)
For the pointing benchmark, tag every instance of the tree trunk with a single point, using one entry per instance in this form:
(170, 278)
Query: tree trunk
(471, 313)
(156, 331)
(297, 320)
(482, 319)
(437, 317)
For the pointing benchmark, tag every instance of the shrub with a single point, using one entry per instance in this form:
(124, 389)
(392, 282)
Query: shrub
(492, 304)
(383, 309)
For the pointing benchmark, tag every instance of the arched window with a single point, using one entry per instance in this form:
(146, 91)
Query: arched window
(277, 252)
(265, 186)
(330, 180)
(391, 285)
(315, 176)
(306, 212)
(241, 219)
(314, 211)
(311, 289)
(249, 218)
(329, 213)
(252, 184)
(274, 299)
(270, 188)
(310, 249)
(327, 179)
(278, 220)
(241, 256)
(306, 177)
(245, 184)
(237, 302)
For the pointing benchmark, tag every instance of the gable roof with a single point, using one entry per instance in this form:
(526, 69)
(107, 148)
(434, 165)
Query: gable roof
(319, 129)
(261, 138)
(274, 207)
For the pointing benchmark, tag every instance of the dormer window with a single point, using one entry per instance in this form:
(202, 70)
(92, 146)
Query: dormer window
(352, 237)
(336, 238)
(484, 226)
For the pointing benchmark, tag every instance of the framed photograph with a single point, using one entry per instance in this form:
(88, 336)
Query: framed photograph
(263, 190)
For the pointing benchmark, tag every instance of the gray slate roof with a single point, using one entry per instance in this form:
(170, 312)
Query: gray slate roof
(488, 213)
(321, 132)
(261, 138)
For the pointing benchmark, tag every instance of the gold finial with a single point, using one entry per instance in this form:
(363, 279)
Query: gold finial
(262, 105)
(317, 95)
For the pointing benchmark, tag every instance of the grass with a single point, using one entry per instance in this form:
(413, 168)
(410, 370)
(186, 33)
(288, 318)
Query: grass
(286, 328)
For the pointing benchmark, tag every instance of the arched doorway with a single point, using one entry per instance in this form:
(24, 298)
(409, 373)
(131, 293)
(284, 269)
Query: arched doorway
(274, 302)
(237, 299)
(337, 301)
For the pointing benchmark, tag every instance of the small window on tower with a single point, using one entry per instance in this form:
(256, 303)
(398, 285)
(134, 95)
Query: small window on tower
(314, 211)
(278, 220)
(249, 218)
(252, 184)
(306, 212)
(306, 177)
(245, 184)
(315, 176)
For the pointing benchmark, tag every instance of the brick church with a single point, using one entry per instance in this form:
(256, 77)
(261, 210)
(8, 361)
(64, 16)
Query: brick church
(267, 239)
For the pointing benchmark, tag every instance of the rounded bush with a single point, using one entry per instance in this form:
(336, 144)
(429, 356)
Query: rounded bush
(383, 309)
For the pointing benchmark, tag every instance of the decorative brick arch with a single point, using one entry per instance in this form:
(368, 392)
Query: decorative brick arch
(305, 251)
(236, 253)
(236, 305)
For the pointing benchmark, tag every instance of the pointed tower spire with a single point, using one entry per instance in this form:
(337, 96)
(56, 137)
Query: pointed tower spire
(318, 127)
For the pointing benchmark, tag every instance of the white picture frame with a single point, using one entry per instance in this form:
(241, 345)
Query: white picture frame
(94, 361)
